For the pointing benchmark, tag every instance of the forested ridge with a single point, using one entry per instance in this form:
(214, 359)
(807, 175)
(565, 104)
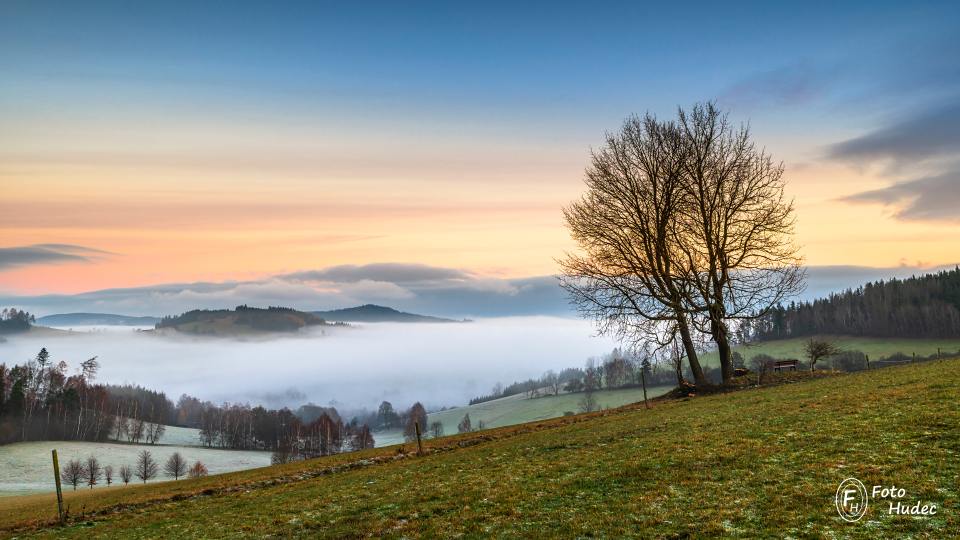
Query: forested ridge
(926, 306)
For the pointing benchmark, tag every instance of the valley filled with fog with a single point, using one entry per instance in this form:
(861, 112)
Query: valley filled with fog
(354, 367)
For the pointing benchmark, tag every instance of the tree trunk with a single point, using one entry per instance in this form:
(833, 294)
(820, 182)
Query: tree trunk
(719, 331)
(698, 376)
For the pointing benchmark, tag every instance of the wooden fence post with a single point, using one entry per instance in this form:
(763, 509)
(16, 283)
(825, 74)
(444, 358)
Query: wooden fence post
(56, 476)
(416, 425)
(643, 381)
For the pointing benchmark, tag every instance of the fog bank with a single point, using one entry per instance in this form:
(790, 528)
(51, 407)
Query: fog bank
(438, 364)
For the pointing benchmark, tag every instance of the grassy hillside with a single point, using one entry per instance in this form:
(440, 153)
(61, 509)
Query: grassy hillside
(25, 467)
(876, 348)
(518, 409)
(755, 463)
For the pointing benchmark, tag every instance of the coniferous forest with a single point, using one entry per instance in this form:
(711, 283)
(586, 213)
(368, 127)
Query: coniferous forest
(925, 306)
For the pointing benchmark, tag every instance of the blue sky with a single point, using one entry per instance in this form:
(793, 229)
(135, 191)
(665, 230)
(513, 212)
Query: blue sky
(234, 142)
(452, 63)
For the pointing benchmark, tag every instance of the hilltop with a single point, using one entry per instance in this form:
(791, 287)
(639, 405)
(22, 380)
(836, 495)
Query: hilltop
(240, 321)
(754, 463)
(375, 313)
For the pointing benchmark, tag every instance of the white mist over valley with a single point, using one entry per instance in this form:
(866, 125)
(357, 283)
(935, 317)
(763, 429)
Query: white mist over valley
(353, 367)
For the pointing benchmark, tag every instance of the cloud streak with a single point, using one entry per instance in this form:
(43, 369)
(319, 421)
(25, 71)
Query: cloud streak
(42, 254)
(929, 142)
(417, 288)
(791, 85)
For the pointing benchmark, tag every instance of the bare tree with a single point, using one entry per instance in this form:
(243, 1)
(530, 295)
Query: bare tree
(146, 467)
(93, 471)
(465, 425)
(175, 466)
(73, 473)
(417, 415)
(436, 429)
(735, 226)
(818, 349)
(198, 470)
(552, 381)
(588, 403)
(631, 279)
(362, 438)
(126, 474)
(108, 474)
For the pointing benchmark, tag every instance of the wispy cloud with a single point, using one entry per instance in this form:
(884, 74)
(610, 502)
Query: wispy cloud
(39, 254)
(791, 85)
(418, 288)
(922, 153)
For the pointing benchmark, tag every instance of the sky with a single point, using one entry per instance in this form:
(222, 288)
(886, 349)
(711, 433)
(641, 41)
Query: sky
(162, 155)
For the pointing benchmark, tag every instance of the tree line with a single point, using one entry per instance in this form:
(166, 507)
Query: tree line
(311, 431)
(40, 400)
(925, 306)
(14, 320)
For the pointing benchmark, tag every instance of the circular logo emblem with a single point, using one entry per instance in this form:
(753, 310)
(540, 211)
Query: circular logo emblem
(852, 500)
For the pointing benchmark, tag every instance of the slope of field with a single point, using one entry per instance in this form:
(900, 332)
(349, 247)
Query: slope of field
(876, 348)
(518, 408)
(26, 467)
(754, 463)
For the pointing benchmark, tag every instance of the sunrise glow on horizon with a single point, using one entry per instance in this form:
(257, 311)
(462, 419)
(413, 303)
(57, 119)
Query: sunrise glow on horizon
(205, 154)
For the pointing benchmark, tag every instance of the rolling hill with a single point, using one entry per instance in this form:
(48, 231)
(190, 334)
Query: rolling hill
(241, 321)
(519, 408)
(754, 463)
(374, 313)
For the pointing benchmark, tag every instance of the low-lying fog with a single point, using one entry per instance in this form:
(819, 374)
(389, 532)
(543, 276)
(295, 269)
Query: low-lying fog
(438, 364)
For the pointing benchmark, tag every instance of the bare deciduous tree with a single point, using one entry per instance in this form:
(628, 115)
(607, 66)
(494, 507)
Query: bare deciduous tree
(175, 466)
(684, 225)
(146, 467)
(108, 474)
(198, 470)
(126, 474)
(416, 416)
(93, 471)
(436, 429)
(629, 279)
(736, 226)
(465, 426)
(73, 473)
(552, 380)
(818, 349)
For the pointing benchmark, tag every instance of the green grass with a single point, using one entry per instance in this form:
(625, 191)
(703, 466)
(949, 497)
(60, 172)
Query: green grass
(518, 408)
(876, 348)
(753, 463)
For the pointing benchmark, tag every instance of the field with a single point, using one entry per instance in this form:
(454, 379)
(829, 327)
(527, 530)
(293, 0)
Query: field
(876, 348)
(758, 462)
(26, 467)
(517, 409)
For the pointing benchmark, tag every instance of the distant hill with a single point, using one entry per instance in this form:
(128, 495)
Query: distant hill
(240, 321)
(374, 313)
(95, 319)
